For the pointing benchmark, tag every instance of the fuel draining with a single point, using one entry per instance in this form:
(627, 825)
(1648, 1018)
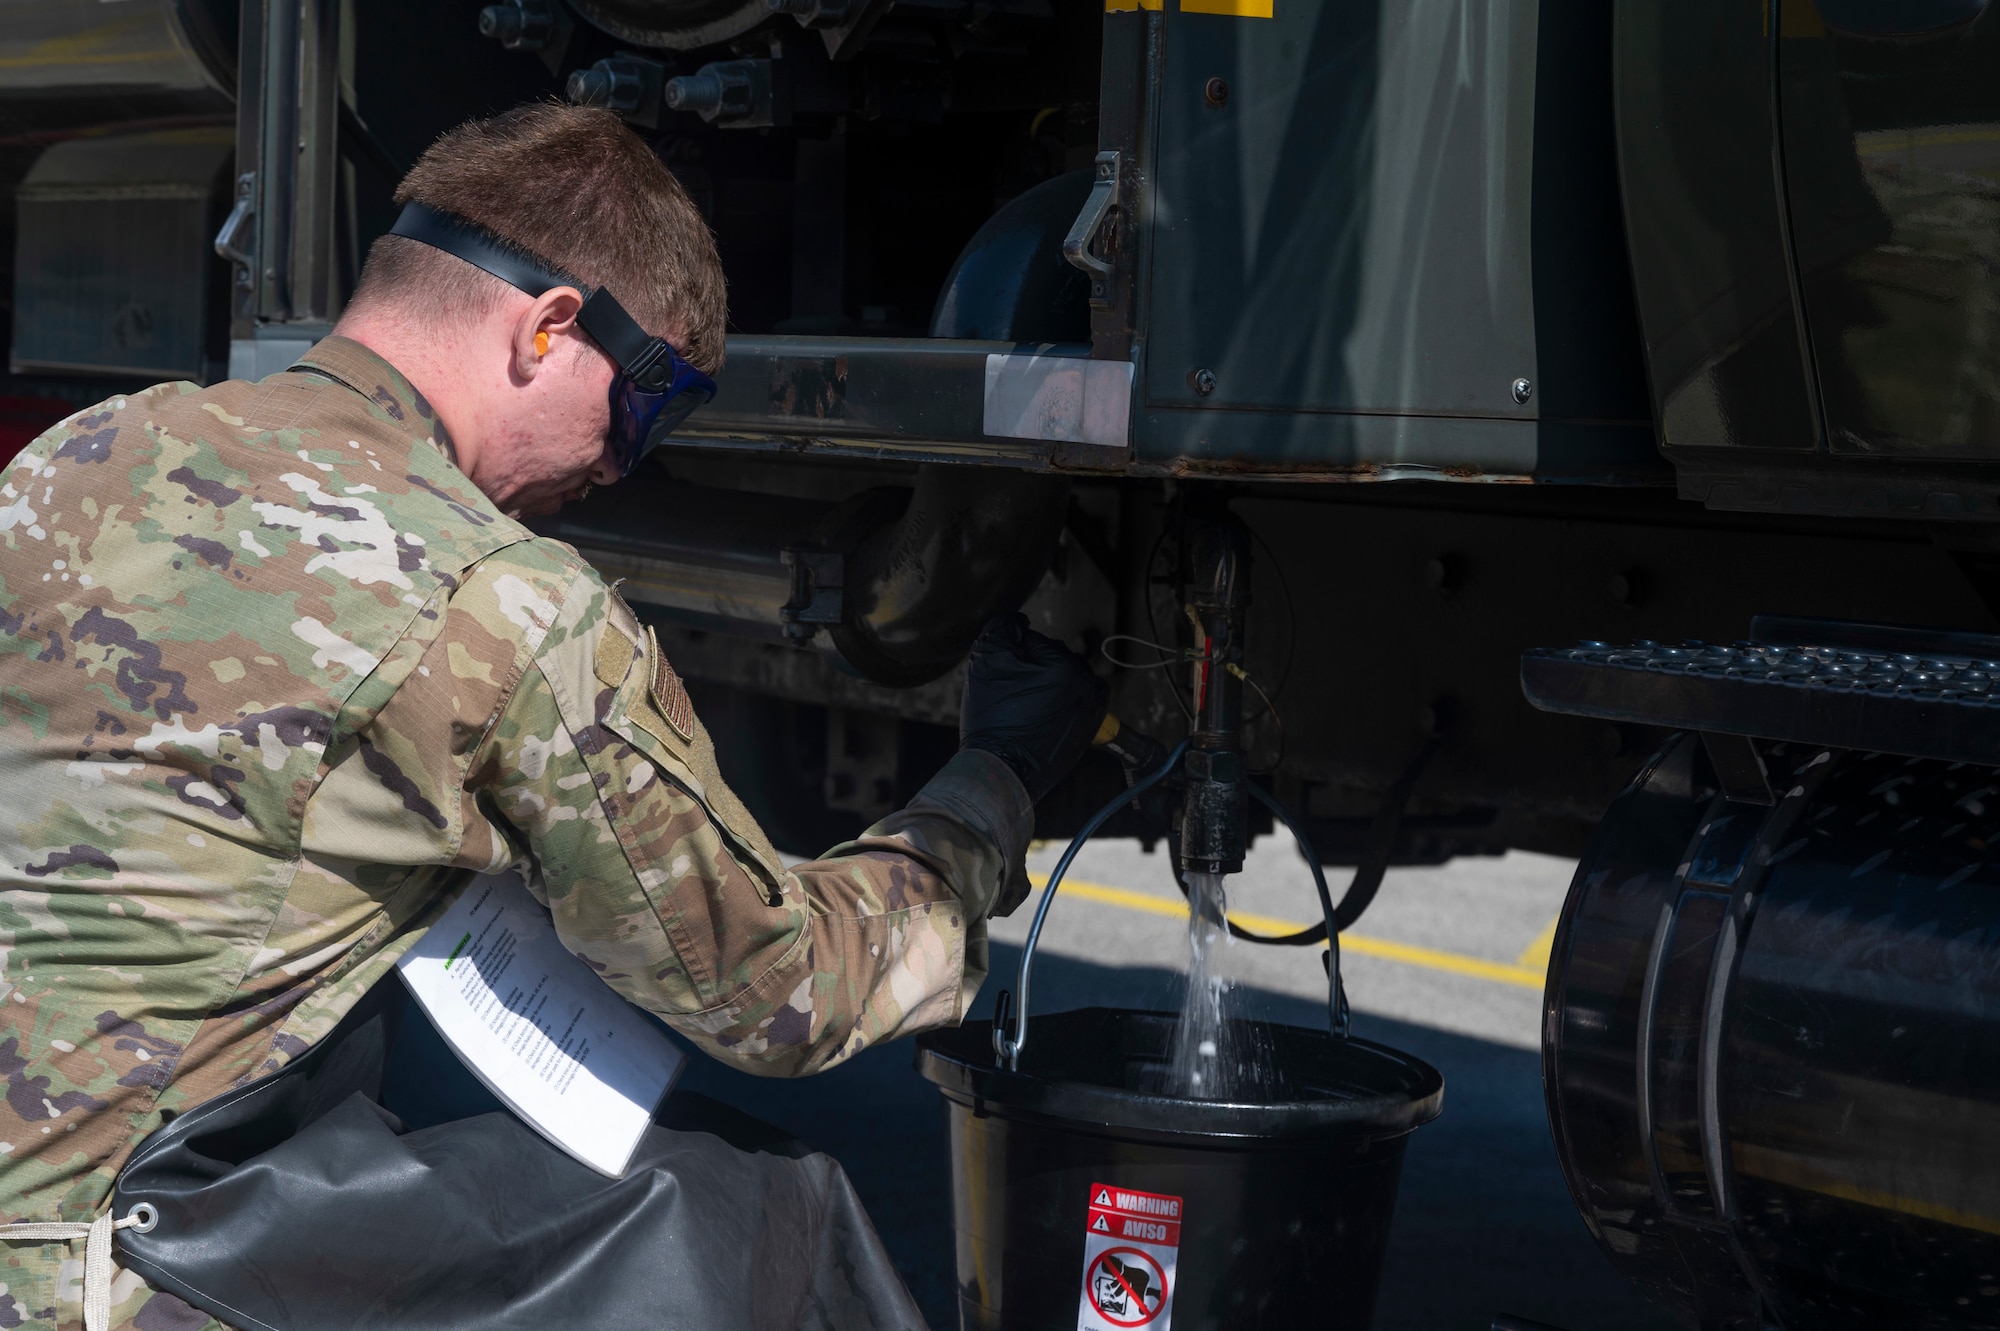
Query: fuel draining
(1132, 1169)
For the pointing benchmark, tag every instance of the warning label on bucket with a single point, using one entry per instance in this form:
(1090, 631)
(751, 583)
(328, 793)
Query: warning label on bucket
(1130, 1240)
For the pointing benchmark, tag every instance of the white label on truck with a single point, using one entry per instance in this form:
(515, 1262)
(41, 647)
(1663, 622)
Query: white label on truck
(1130, 1241)
(1072, 399)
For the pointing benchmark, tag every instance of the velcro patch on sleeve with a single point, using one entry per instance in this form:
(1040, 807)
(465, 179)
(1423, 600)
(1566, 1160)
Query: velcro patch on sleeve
(614, 656)
(670, 696)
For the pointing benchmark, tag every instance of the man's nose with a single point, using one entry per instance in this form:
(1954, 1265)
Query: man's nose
(604, 471)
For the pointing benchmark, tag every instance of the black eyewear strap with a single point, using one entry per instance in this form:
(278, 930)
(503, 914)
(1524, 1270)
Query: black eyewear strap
(646, 360)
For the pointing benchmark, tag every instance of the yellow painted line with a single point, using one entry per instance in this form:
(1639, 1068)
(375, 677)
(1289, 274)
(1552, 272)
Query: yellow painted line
(1427, 958)
(1535, 955)
(1871, 143)
(1455, 963)
(95, 58)
(1231, 8)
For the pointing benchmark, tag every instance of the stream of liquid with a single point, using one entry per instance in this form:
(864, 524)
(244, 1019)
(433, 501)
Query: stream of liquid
(1214, 1058)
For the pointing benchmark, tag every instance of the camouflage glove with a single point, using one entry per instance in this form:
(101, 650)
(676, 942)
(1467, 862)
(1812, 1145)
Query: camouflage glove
(1029, 701)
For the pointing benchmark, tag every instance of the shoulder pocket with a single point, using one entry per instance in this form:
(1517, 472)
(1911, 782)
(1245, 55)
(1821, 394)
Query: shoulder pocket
(657, 718)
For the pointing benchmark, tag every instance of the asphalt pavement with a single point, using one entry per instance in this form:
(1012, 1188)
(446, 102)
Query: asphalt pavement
(1448, 964)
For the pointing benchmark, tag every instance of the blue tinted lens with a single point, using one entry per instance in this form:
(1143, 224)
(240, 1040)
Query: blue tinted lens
(633, 411)
(676, 409)
(641, 418)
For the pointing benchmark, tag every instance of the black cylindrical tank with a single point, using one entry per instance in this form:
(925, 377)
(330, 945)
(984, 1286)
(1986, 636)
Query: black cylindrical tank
(1772, 1040)
(1082, 1195)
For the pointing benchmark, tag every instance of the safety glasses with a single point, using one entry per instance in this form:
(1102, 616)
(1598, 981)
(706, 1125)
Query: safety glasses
(655, 389)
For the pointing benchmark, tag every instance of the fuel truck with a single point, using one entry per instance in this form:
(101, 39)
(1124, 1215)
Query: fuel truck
(1605, 394)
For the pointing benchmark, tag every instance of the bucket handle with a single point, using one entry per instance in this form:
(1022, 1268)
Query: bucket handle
(1010, 1022)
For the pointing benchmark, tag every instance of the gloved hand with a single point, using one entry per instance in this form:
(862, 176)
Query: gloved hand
(1029, 701)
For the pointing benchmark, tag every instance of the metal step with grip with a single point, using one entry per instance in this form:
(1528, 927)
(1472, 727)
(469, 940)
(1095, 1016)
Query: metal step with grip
(1877, 688)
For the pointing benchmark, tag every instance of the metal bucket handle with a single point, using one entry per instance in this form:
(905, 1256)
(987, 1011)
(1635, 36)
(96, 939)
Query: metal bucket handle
(1010, 1028)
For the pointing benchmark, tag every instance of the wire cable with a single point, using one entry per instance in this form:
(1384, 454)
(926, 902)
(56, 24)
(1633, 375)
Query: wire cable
(1168, 655)
(1152, 618)
(1368, 874)
(1336, 993)
(1270, 709)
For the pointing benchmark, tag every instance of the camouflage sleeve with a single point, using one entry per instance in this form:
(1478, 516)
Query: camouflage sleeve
(660, 880)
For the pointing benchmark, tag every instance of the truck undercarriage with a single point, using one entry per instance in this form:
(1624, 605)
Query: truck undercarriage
(1495, 327)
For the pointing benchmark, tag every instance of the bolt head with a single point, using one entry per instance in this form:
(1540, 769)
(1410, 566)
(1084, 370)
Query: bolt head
(1627, 586)
(1446, 573)
(1202, 381)
(1216, 92)
(1523, 390)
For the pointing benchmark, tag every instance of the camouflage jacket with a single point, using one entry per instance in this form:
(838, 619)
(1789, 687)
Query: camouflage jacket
(274, 679)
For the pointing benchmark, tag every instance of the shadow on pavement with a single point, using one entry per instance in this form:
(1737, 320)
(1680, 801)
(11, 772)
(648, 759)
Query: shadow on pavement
(1484, 1223)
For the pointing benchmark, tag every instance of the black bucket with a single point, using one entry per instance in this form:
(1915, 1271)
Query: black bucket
(1082, 1196)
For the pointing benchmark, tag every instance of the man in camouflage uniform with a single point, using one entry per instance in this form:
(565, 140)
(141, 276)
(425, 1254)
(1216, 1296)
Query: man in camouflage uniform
(279, 668)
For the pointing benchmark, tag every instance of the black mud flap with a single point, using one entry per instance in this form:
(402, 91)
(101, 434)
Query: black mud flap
(298, 1203)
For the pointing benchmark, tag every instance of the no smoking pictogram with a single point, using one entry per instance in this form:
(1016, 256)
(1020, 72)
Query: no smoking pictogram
(1127, 1285)
(1131, 1245)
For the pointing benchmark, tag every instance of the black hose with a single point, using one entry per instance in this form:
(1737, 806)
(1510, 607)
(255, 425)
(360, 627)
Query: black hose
(1336, 992)
(1368, 874)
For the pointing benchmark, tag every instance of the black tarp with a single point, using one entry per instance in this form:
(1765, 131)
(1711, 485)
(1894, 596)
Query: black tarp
(300, 1203)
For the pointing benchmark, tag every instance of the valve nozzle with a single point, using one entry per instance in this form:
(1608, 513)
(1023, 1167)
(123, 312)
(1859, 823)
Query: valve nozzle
(1213, 804)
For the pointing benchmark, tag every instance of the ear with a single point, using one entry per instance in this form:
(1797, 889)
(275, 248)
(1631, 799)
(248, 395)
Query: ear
(551, 314)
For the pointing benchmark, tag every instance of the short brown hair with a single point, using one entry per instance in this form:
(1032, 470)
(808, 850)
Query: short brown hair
(576, 188)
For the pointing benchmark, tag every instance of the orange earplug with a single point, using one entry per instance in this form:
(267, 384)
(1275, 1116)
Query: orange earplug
(541, 344)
